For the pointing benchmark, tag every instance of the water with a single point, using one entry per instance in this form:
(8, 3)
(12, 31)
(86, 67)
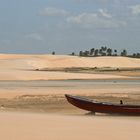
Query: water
(69, 83)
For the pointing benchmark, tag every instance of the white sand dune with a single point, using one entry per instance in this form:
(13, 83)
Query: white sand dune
(17, 67)
(22, 126)
(51, 61)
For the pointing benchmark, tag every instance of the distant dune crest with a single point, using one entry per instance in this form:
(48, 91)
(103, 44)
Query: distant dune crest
(26, 67)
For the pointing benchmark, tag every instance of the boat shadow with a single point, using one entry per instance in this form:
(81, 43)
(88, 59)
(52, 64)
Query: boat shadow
(107, 114)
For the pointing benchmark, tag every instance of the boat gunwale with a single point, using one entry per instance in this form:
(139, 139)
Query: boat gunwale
(102, 103)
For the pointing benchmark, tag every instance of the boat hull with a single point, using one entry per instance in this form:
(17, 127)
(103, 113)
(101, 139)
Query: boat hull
(100, 107)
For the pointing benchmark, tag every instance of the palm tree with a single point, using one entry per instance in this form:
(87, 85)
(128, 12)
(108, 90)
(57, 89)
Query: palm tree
(86, 53)
(81, 53)
(115, 51)
(72, 53)
(103, 50)
(134, 55)
(53, 53)
(109, 51)
(100, 51)
(96, 52)
(138, 55)
(92, 51)
(124, 53)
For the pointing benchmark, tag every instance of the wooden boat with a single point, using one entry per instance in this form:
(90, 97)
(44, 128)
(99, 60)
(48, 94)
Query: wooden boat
(103, 107)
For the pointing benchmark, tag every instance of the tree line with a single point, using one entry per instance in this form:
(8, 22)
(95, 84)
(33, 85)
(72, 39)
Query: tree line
(105, 51)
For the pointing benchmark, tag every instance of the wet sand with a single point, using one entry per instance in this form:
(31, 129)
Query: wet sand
(48, 96)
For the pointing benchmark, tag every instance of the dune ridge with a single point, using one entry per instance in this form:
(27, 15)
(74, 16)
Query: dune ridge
(41, 61)
(23, 67)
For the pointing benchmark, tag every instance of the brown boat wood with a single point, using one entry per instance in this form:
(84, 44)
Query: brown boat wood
(103, 107)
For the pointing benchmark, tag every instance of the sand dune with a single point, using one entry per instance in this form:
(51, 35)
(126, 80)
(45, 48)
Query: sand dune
(18, 67)
(35, 75)
(49, 61)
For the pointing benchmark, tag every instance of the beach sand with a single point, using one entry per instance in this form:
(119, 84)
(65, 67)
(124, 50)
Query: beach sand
(33, 106)
(23, 126)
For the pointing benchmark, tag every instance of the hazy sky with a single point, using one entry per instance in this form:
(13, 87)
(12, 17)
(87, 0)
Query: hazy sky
(64, 26)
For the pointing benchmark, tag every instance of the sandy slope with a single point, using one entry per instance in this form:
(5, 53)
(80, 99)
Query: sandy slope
(49, 61)
(18, 67)
(41, 75)
(22, 126)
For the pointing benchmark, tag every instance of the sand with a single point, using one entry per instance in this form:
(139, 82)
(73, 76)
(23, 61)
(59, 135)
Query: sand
(25, 67)
(42, 61)
(23, 126)
(33, 106)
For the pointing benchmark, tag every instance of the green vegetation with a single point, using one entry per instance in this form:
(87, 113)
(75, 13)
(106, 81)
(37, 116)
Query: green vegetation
(105, 51)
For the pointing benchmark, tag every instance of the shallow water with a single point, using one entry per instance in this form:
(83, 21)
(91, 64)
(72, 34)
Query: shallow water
(70, 84)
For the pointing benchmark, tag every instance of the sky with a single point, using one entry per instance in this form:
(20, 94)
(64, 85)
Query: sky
(65, 26)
